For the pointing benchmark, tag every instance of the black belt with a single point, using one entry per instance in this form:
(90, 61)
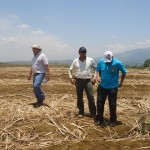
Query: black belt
(83, 79)
(38, 73)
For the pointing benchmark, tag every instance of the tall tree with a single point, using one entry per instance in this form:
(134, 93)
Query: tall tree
(146, 63)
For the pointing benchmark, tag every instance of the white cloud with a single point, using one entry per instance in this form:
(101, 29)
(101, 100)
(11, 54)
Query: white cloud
(16, 44)
(119, 47)
(145, 43)
(7, 40)
(37, 32)
(23, 26)
(19, 48)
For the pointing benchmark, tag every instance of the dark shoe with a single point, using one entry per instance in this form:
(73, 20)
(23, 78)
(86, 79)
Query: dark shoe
(37, 104)
(95, 118)
(40, 102)
(115, 123)
(101, 123)
(97, 123)
(112, 124)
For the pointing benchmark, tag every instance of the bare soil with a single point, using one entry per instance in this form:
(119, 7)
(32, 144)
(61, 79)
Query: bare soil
(55, 125)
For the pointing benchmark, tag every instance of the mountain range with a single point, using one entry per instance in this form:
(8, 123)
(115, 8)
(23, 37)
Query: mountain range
(134, 57)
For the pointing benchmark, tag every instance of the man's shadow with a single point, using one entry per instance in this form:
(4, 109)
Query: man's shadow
(35, 105)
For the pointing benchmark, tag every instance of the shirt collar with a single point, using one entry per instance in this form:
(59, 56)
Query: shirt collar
(38, 54)
(83, 60)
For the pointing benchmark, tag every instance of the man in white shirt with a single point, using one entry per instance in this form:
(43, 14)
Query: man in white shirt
(83, 81)
(40, 70)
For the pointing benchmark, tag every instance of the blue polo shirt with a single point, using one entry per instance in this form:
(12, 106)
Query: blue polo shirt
(109, 73)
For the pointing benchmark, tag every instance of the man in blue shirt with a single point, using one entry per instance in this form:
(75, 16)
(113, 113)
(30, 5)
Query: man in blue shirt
(108, 69)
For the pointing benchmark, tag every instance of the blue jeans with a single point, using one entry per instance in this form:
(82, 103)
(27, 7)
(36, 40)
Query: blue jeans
(37, 80)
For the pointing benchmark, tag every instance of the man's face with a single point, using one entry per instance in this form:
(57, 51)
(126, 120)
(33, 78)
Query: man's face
(82, 53)
(108, 58)
(35, 50)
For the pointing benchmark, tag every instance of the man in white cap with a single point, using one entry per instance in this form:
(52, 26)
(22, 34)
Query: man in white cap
(39, 70)
(108, 69)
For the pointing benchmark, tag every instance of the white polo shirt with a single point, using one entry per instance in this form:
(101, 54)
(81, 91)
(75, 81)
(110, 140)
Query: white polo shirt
(38, 63)
(83, 70)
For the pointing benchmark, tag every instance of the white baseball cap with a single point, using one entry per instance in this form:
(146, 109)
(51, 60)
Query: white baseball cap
(108, 55)
(36, 46)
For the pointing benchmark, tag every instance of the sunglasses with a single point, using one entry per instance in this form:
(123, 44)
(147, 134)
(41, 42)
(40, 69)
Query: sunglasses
(83, 52)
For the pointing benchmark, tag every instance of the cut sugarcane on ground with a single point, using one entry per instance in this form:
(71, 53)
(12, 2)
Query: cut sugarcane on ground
(56, 125)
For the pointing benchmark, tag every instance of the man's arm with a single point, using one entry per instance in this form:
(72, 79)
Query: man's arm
(97, 73)
(47, 75)
(97, 76)
(122, 79)
(123, 75)
(72, 80)
(94, 67)
(30, 74)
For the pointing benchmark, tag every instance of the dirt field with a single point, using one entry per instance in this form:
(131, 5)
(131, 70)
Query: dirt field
(55, 125)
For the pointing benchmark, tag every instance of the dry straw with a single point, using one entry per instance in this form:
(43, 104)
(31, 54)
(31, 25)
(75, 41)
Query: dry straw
(24, 127)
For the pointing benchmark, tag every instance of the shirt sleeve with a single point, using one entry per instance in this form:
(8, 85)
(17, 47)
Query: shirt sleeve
(45, 60)
(93, 64)
(72, 65)
(122, 68)
(71, 68)
(94, 67)
(98, 67)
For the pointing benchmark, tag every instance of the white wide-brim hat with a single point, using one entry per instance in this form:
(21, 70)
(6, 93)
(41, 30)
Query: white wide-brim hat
(36, 46)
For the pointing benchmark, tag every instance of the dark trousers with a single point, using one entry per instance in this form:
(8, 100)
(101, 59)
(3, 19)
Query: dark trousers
(112, 99)
(81, 85)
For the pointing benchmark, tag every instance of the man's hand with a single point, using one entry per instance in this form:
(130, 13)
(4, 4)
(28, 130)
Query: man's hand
(29, 77)
(120, 84)
(47, 77)
(98, 80)
(73, 81)
(93, 81)
(30, 74)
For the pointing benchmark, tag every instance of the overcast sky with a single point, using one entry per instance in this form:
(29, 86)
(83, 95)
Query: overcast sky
(61, 27)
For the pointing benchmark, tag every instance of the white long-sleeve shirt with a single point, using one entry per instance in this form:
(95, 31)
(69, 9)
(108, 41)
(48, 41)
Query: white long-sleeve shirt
(83, 69)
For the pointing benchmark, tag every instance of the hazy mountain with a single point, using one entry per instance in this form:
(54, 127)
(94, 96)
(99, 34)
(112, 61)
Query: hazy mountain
(132, 57)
